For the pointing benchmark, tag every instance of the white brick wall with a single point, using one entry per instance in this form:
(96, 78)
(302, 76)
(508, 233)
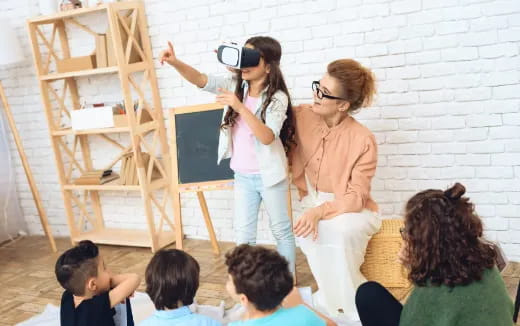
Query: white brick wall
(448, 107)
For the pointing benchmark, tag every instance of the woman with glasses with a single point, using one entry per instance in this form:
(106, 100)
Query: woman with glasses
(456, 281)
(333, 163)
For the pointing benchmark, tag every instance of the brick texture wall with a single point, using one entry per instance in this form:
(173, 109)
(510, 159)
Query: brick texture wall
(448, 107)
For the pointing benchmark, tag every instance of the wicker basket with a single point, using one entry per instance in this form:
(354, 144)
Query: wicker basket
(381, 264)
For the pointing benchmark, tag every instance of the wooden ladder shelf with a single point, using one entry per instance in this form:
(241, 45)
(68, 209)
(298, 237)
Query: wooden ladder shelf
(60, 95)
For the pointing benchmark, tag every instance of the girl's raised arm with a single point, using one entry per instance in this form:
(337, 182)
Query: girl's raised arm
(187, 72)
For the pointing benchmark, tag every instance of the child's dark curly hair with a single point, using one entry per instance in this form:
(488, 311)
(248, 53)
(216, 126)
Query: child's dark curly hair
(442, 235)
(261, 274)
(76, 265)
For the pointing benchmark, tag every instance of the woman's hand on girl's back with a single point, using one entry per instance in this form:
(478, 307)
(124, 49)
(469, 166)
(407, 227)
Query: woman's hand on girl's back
(168, 55)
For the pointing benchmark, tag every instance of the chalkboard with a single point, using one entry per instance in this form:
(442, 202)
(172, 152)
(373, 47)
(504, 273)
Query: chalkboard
(197, 136)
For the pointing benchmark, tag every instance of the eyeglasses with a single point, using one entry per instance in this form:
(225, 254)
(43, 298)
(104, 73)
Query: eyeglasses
(319, 93)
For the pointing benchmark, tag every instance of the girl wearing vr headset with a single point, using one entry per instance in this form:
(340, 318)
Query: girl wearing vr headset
(256, 132)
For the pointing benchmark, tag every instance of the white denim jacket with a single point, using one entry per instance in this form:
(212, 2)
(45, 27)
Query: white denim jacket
(271, 158)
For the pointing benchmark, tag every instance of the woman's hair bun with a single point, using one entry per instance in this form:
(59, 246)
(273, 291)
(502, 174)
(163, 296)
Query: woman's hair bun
(455, 192)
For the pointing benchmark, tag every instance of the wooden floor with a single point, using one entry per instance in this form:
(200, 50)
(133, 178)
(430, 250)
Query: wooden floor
(28, 284)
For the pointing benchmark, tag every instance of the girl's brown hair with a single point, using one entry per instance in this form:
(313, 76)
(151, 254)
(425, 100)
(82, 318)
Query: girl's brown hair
(357, 83)
(271, 52)
(442, 237)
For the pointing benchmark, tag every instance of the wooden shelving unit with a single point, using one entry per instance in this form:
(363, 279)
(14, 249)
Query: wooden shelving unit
(82, 73)
(60, 94)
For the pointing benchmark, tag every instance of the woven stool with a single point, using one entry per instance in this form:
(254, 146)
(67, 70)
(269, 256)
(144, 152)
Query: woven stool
(381, 263)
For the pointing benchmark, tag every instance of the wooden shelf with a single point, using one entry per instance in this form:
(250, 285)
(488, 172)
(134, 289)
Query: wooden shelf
(134, 67)
(115, 186)
(47, 19)
(81, 73)
(142, 128)
(125, 237)
(69, 131)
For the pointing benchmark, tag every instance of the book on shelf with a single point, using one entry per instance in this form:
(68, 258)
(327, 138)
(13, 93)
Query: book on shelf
(129, 175)
(96, 177)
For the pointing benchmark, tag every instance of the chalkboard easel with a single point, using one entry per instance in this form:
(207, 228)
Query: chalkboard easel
(193, 138)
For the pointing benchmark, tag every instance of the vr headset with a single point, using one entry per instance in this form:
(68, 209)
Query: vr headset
(238, 57)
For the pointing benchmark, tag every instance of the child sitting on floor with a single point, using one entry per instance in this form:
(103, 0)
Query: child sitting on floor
(259, 278)
(91, 292)
(172, 279)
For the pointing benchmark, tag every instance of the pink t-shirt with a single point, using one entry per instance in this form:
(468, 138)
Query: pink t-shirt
(244, 158)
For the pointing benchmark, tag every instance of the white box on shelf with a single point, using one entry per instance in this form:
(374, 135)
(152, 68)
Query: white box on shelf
(92, 118)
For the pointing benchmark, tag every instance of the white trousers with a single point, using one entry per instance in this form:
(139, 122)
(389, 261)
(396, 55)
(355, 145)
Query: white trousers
(336, 256)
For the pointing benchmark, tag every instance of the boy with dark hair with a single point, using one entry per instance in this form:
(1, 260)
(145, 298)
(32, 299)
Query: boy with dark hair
(172, 279)
(91, 292)
(259, 278)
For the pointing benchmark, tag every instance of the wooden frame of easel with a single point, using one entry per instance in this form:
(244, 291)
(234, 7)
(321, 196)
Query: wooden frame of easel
(199, 187)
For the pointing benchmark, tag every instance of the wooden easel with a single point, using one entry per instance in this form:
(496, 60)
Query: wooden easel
(32, 184)
(198, 187)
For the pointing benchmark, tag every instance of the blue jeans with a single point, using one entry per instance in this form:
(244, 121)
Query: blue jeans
(249, 192)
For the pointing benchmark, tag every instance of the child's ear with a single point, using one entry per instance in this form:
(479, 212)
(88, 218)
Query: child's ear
(244, 301)
(92, 284)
